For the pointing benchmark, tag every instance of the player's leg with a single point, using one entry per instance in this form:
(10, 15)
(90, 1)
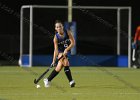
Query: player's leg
(134, 58)
(137, 61)
(68, 72)
(138, 57)
(53, 74)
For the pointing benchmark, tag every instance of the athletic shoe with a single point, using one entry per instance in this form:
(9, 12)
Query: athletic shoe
(46, 83)
(72, 83)
(134, 66)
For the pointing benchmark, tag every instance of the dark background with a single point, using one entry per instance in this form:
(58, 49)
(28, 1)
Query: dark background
(10, 27)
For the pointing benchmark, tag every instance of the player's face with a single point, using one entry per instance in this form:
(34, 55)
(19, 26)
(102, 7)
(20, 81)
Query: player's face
(59, 27)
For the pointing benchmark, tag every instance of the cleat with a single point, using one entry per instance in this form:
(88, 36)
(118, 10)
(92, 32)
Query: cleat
(46, 83)
(134, 66)
(72, 83)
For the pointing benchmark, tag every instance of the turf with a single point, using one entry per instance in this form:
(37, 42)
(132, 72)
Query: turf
(92, 83)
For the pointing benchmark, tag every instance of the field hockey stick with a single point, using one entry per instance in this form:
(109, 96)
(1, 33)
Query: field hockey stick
(133, 55)
(42, 75)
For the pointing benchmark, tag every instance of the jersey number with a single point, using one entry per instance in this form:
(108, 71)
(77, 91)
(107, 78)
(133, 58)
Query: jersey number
(65, 45)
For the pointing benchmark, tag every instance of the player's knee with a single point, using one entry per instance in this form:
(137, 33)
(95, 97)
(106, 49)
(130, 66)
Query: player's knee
(66, 62)
(58, 69)
(66, 68)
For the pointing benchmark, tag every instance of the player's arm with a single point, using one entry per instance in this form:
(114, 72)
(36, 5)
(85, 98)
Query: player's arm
(55, 49)
(135, 40)
(71, 38)
(137, 34)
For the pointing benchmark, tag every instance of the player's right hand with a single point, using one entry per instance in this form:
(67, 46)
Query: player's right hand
(65, 52)
(134, 45)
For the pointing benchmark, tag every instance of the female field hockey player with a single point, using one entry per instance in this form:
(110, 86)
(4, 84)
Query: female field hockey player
(136, 46)
(63, 42)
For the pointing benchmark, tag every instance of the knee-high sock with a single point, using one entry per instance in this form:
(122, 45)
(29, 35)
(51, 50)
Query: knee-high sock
(52, 75)
(68, 73)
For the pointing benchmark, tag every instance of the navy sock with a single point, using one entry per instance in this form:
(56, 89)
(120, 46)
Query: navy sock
(52, 75)
(68, 73)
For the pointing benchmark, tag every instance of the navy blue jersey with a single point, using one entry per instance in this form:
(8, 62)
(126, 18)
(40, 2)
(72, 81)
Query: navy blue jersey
(63, 42)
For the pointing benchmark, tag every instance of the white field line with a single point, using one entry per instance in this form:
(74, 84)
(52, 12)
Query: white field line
(75, 93)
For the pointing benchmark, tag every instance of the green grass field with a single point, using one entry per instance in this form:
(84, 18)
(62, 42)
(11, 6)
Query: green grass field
(92, 83)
